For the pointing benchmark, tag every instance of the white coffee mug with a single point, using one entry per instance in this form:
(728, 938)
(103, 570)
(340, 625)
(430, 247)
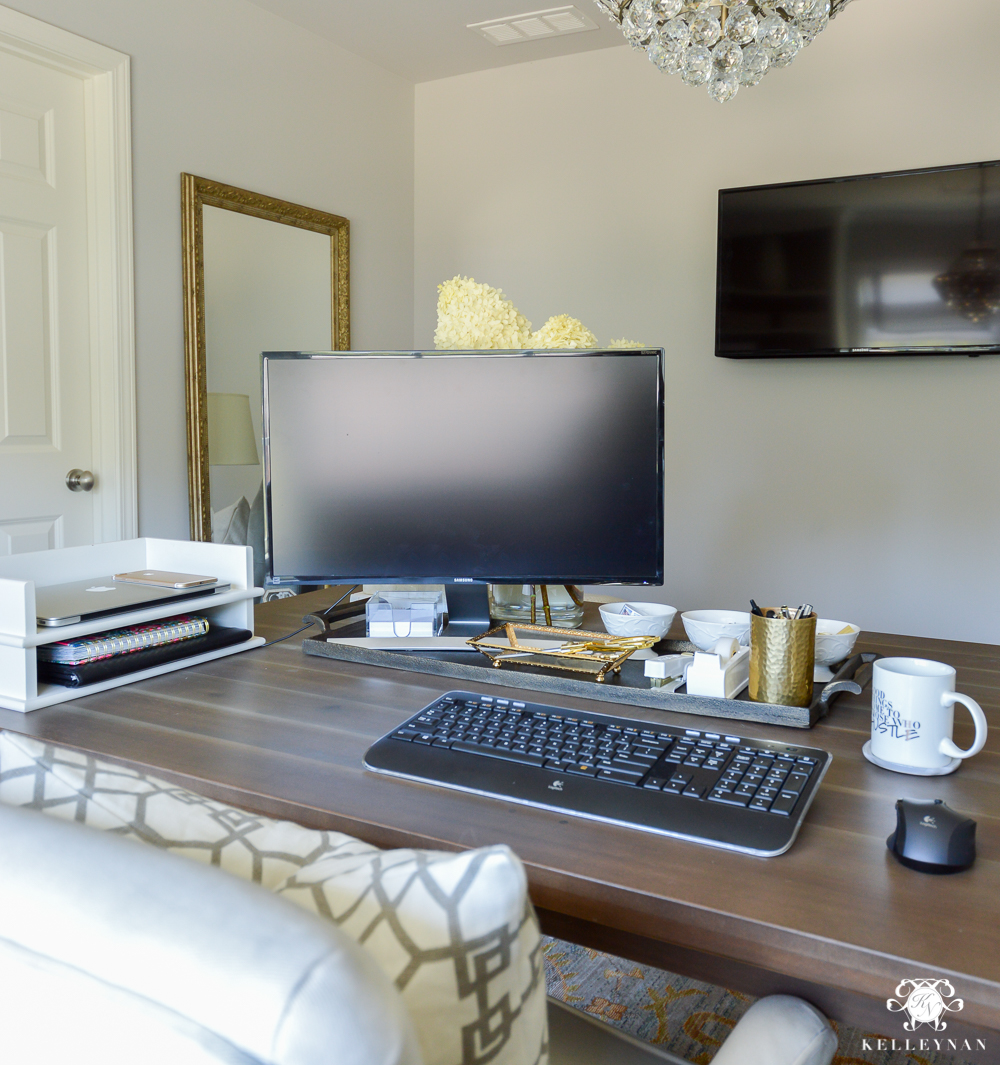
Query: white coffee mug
(913, 713)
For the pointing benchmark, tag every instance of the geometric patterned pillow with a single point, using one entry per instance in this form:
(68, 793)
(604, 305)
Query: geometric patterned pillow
(455, 932)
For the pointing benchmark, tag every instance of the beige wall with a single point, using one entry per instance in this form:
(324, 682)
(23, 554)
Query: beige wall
(588, 185)
(228, 91)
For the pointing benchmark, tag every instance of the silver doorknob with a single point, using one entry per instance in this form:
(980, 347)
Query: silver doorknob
(79, 480)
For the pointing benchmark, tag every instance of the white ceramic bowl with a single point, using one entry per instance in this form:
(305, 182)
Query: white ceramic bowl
(653, 619)
(705, 628)
(832, 645)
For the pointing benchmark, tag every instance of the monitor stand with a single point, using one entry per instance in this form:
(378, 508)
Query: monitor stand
(468, 609)
(468, 615)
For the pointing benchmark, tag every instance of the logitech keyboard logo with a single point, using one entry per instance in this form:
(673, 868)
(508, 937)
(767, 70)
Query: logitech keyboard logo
(556, 785)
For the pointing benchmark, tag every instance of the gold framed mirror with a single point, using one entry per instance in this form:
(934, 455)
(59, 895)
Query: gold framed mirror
(249, 286)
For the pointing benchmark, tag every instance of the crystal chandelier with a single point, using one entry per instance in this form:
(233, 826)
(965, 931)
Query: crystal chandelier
(971, 285)
(721, 45)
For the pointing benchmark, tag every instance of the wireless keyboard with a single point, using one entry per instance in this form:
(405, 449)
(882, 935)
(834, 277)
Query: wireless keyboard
(713, 788)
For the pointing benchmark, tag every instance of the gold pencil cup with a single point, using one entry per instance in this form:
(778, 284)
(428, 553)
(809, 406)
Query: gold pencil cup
(782, 659)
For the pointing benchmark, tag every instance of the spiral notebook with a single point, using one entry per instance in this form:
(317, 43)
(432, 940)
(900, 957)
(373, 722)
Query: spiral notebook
(123, 641)
(134, 661)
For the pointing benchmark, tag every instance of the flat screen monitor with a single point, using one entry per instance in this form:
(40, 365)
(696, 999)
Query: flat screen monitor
(479, 467)
(883, 264)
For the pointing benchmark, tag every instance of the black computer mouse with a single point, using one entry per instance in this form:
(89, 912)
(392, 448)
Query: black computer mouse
(932, 837)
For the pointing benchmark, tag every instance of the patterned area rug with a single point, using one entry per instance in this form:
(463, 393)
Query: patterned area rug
(688, 1018)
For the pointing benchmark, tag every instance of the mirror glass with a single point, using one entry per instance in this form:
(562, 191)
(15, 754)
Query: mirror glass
(260, 275)
(267, 288)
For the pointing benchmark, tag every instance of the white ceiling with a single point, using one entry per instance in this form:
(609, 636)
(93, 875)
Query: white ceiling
(422, 40)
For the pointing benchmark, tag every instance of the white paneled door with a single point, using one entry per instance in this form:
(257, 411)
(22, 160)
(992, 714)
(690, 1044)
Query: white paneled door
(60, 408)
(45, 407)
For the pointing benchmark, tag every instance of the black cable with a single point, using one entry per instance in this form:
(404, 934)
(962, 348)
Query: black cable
(309, 624)
(280, 639)
(333, 606)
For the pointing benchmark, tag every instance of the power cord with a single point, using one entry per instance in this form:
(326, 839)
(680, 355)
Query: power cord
(281, 639)
(314, 619)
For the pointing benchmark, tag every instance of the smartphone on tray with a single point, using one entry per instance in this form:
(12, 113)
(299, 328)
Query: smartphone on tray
(160, 578)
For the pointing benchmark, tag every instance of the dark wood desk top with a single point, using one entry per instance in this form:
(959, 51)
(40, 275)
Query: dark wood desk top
(836, 918)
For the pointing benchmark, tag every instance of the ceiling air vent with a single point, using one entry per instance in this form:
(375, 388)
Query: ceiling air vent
(533, 25)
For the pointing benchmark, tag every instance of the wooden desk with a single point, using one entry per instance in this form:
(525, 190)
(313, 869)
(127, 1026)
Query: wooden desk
(836, 919)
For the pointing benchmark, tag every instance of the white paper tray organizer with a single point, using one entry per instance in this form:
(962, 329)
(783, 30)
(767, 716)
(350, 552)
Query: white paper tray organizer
(20, 635)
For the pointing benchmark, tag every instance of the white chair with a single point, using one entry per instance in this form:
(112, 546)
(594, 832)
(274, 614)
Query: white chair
(112, 952)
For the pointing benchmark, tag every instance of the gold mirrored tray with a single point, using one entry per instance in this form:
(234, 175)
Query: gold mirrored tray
(594, 653)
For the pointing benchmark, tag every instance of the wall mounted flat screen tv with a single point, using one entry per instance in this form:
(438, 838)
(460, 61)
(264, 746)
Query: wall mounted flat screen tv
(881, 264)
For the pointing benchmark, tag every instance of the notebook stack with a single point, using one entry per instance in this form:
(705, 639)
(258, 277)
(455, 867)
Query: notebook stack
(122, 641)
(90, 659)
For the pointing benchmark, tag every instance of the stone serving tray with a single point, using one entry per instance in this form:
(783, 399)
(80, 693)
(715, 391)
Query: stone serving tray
(628, 688)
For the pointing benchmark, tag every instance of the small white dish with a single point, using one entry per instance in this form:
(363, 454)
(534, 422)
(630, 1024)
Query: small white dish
(651, 619)
(832, 645)
(910, 770)
(705, 628)
(832, 641)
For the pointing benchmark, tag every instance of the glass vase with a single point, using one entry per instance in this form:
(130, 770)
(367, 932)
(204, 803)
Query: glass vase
(560, 605)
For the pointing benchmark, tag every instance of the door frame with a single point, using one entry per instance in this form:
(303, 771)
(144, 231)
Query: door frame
(105, 74)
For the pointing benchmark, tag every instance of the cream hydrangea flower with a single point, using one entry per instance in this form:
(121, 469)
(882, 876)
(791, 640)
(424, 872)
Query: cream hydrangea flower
(561, 331)
(477, 316)
(471, 316)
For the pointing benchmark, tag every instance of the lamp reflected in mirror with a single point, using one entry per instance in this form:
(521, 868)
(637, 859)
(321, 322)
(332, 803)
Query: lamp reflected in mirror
(231, 440)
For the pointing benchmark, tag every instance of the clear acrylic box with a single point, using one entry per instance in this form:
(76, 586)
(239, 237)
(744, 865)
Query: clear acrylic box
(405, 614)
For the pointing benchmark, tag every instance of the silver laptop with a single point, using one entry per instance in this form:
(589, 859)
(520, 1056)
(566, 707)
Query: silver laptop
(68, 604)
